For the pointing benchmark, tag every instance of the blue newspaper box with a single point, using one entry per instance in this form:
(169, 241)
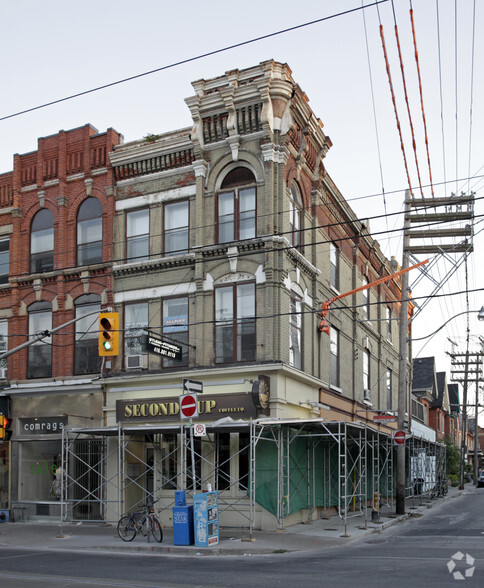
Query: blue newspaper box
(180, 498)
(205, 519)
(183, 525)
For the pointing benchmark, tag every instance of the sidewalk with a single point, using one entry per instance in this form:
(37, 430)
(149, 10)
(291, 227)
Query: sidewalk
(323, 533)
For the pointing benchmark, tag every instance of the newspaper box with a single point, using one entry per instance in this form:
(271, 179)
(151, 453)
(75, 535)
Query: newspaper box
(205, 519)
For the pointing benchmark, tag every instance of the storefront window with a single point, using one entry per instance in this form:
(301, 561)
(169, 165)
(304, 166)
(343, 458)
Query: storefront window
(38, 463)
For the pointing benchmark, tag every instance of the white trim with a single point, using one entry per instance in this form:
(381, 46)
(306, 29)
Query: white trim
(159, 292)
(156, 198)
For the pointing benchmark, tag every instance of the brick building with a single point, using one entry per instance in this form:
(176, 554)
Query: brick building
(223, 239)
(56, 229)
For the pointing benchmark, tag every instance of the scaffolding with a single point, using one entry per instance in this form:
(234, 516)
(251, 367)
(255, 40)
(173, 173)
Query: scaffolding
(296, 470)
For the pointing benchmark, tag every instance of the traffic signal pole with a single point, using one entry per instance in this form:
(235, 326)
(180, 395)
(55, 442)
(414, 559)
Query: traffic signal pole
(43, 334)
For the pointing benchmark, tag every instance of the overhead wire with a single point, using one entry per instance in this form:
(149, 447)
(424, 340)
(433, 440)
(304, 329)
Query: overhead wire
(194, 58)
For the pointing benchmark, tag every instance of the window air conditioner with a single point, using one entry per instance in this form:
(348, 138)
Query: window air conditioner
(136, 362)
(366, 394)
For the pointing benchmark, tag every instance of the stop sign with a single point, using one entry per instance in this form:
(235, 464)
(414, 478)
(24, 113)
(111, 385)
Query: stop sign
(399, 438)
(188, 406)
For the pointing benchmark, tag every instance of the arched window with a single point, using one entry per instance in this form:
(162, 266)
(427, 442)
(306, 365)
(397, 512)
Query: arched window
(86, 357)
(42, 242)
(236, 206)
(40, 353)
(90, 232)
(295, 209)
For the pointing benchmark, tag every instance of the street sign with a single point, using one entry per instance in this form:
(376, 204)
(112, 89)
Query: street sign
(159, 346)
(399, 438)
(199, 430)
(188, 406)
(192, 386)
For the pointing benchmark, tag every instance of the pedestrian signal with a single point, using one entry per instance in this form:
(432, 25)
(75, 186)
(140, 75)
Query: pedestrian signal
(108, 334)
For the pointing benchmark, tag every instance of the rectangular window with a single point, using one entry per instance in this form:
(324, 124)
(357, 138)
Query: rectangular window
(40, 353)
(389, 390)
(334, 265)
(3, 348)
(168, 447)
(365, 309)
(366, 373)
(244, 457)
(223, 461)
(295, 323)
(388, 322)
(235, 323)
(175, 328)
(236, 215)
(176, 228)
(138, 235)
(86, 350)
(4, 261)
(334, 357)
(135, 319)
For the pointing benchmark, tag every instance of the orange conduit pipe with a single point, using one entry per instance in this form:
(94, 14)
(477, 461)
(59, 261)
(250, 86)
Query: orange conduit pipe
(421, 99)
(387, 64)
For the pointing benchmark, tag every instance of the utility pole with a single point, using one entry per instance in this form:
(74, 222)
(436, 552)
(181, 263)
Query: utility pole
(471, 362)
(420, 213)
(402, 368)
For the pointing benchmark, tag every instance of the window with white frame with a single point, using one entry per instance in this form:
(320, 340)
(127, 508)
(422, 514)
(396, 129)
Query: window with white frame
(3, 347)
(90, 232)
(175, 328)
(176, 228)
(39, 360)
(138, 235)
(4, 260)
(366, 373)
(365, 308)
(235, 323)
(334, 336)
(86, 354)
(334, 266)
(295, 208)
(295, 327)
(389, 389)
(135, 319)
(388, 322)
(236, 206)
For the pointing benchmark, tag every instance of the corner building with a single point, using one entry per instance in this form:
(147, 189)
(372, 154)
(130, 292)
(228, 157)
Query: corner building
(228, 236)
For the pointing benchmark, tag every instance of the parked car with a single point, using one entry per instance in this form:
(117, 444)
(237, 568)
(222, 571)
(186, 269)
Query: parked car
(480, 480)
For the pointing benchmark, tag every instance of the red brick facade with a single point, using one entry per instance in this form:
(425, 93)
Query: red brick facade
(66, 169)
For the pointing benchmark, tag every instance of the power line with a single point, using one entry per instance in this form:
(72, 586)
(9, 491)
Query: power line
(195, 58)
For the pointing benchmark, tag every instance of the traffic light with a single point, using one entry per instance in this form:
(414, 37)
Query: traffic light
(5, 432)
(108, 334)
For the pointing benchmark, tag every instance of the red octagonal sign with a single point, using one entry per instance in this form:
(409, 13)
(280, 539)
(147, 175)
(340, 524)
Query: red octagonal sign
(188, 406)
(399, 438)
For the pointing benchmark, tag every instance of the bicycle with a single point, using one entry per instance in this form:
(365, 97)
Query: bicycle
(144, 522)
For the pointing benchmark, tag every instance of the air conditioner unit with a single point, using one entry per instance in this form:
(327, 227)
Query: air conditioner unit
(136, 362)
(3, 373)
(366, 394)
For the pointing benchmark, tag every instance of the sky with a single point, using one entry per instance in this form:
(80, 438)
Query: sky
(54, 49)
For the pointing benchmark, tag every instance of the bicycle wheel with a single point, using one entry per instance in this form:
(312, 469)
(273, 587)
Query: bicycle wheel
(126, 528)
(143, 526)
(156, 530)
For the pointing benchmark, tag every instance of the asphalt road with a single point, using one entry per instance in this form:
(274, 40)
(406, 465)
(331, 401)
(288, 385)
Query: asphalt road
(443, 548)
